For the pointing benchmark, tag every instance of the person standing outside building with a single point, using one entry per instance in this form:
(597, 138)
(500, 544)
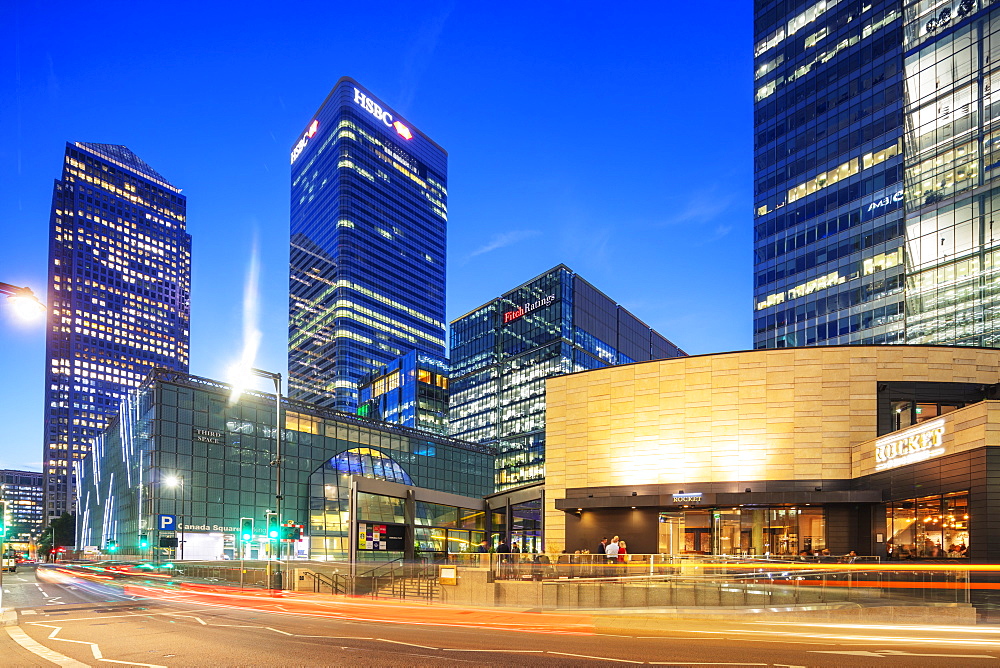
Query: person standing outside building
(611, 551)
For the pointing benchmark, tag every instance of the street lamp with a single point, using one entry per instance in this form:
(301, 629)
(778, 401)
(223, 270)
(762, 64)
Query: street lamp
(238, 385)
(25, 303)
(175, 481)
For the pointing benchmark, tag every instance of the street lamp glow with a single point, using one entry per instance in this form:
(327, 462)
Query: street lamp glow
(172, 481)
(24, 302)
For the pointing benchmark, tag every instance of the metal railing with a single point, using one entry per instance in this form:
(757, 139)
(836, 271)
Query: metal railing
(328, 583)
(399, 579)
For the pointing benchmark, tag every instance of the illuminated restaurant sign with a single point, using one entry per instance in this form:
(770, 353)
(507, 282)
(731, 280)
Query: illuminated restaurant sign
(511, 316)
(913, 445)
(687, 498)
(378, 112)
(309, 134)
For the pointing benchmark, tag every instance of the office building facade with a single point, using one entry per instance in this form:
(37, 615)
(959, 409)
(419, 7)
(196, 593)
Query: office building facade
(828, 161)
(368, 223)
(118, 296)
(502, 352)
(952, 155)
(411, 391)
(406, 491)
(22, 494)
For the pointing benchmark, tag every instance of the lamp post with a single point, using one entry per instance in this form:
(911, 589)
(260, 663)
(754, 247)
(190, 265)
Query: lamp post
(276, 462)
(24, 301)
(175, 481)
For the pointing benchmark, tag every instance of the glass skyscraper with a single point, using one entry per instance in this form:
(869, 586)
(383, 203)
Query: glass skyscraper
(502, 352)
(952, 155)
(118, 296)
(828, 160)
(368, 224)
(411, 391)
(21, 493)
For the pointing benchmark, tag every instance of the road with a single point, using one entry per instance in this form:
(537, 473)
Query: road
(76, 622)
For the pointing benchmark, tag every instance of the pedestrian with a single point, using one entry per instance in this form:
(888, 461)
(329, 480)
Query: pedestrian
(602, 547)
(611, 551)
(503, 556)
(825, 555)
(850, 557)
(622, 551)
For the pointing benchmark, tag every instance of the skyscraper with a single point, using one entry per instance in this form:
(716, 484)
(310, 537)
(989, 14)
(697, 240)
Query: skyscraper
(952, 155)
(828, 154)
(368, 222)
(118, 295)
(503, 351)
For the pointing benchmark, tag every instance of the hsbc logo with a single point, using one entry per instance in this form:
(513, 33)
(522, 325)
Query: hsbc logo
(378, 112)
(304, 140)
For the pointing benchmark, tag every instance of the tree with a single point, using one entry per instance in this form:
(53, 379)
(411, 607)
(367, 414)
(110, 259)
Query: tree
(64, 528)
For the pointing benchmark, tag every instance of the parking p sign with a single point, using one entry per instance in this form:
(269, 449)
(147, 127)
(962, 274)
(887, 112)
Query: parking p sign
(167, 523)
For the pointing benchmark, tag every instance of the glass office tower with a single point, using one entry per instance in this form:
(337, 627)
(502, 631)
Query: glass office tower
(118, 296)
(502, 352)
(828, 191)
(368, 223)
(411, 391)
(21, 493)
(952, 155)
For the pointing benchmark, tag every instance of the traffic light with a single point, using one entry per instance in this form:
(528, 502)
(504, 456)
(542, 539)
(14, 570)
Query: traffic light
(112, 546)
(246, 529)
(273, 531)
(291, 532)
(143, 541)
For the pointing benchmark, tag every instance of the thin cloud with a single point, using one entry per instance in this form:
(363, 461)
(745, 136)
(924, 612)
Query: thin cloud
(702, 207)
(419, 55)
(504, 240)
(720, 231)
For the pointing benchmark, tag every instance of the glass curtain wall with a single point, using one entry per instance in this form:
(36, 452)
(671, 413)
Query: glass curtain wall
(932, 527)
(779, 531)
(952, 155)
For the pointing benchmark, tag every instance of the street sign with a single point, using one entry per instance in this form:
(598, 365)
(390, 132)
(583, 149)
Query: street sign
(167, 523)
(166, 541)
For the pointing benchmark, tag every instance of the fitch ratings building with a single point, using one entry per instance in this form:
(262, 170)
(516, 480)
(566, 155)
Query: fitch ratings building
(502, 352)
(368, 224)
(119, 298)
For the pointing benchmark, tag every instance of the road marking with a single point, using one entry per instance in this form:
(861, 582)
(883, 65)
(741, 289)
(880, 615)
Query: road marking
(887, 653)
(29, 612)
(177, 614)
(36, 648)
(496, 651)
(269, 628)
(410, 644)
(604, 658)
(95, 649)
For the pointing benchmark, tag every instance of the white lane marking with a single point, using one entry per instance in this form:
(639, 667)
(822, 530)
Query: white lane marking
(886, 653)
(29, 612)
(25, 641)
(409, 644)
(279, 631)
(502, 651)
(194, 617)
(604, 658)
(95, 649)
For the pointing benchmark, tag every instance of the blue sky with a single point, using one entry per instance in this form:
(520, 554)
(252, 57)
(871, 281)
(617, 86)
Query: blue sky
(617, 141)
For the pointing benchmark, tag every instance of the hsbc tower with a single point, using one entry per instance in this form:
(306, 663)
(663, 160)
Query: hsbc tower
(368, 240)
